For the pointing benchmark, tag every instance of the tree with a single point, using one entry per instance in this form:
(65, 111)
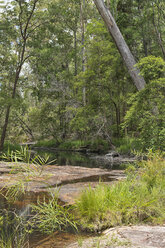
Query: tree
(121, 44)
(56, 62)
(19, 32)
(146, 115)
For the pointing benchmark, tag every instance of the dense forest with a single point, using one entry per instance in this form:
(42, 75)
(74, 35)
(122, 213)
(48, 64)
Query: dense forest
(64, 78)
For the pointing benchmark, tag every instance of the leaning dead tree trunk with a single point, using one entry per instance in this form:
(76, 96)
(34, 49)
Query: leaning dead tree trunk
(121, 44)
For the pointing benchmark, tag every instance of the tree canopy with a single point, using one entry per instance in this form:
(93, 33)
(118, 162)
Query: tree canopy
(63, 76)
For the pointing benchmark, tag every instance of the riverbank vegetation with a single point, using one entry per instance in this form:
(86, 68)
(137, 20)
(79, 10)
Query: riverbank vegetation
(138, 199)
(13, 230)
(64, 83)
(51, 216)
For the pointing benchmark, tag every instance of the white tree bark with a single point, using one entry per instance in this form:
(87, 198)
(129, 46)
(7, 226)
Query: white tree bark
(121, 44)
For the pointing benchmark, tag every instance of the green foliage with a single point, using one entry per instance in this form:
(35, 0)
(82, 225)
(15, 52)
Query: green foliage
(13, 231)
(140, 198)
(152, 171)
(14, 192)
(151, 68)
(49, 99)
(50, 216)
(18, 25)
(81, 121)
(47, 143)
(127, 145)
(73, 144)
(97, 144)
(49, 103)
(148, 112)
(25, 155)
(11, 147)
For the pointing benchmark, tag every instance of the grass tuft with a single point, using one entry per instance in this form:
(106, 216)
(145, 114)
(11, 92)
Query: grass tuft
(139, 198)
(50, 216)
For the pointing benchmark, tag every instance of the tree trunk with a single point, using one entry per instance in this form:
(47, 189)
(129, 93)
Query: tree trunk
(21, 60)
(158, 33)
(121, 44)
(3, 135)
(75, 52)
(26, 128)
(83, 46)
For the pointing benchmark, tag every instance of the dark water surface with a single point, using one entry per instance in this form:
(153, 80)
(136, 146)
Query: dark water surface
(89, 160)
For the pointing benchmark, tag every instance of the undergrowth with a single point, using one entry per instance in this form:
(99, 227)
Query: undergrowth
(93, 144)
(47, 143)
(139, 198)
(127, 145)
(11, 147)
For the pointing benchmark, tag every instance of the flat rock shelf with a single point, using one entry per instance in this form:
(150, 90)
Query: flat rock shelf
(143, 236)
(69, 181)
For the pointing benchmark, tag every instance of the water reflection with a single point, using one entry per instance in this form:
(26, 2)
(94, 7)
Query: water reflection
(68, 158)
(78, 159)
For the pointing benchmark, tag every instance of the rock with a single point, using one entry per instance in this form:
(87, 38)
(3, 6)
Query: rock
(127, 236)
(109, 161)
(112, 154)
(31, 143)
(68, 180)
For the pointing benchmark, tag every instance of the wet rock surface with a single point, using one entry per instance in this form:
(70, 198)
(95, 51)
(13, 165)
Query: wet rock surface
(56, 240)
(127, 236)
(69, 180)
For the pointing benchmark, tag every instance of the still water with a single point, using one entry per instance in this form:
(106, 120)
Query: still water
(89, 160)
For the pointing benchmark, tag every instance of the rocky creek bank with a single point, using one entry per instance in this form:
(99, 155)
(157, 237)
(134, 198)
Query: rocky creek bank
(142, 236)
(70, 181)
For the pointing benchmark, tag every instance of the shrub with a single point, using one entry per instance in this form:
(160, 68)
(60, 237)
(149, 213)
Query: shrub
(127, 145)
(148, 112)
(151, 68)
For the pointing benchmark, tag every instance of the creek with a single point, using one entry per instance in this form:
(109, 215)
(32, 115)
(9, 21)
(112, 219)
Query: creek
(89, 160)
(22, 207)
